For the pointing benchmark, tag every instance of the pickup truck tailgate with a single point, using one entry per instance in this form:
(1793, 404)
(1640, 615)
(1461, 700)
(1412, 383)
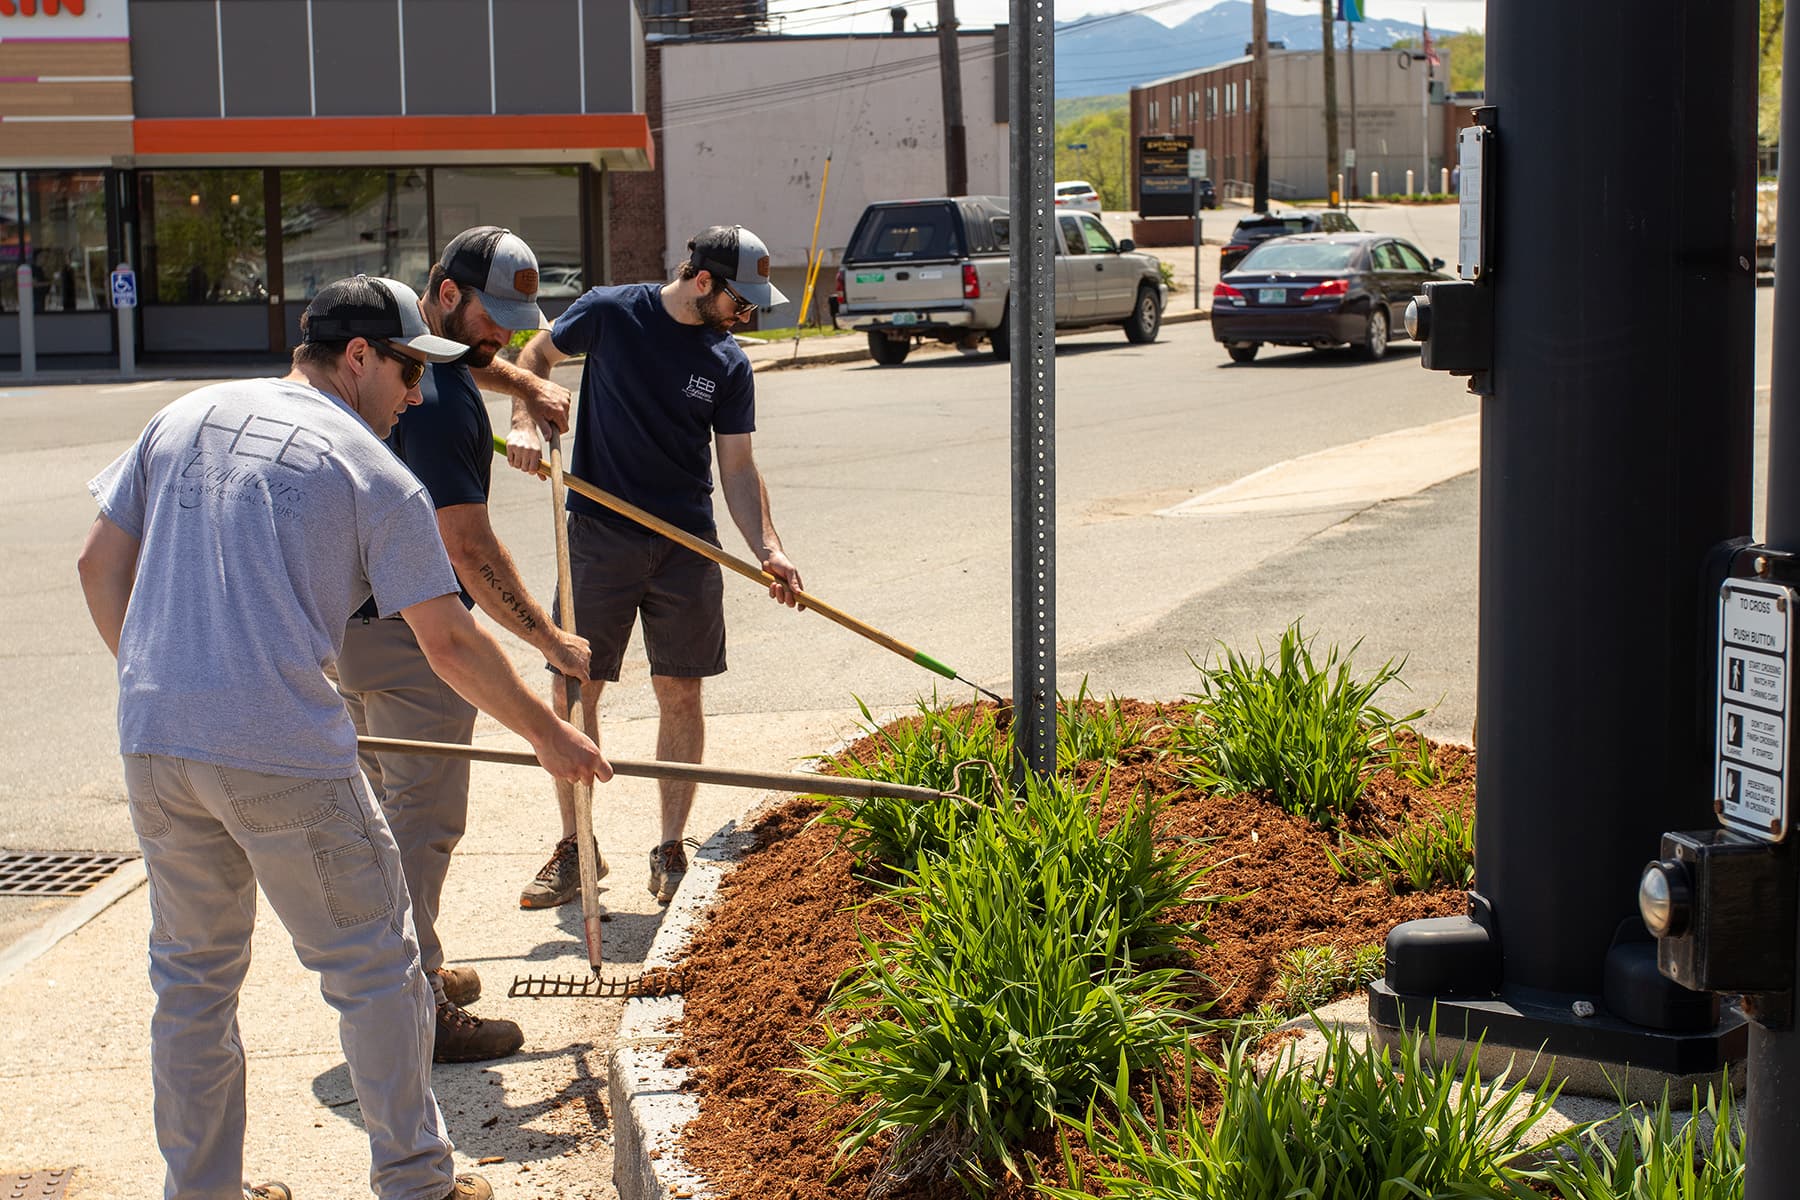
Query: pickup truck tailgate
(902, 284)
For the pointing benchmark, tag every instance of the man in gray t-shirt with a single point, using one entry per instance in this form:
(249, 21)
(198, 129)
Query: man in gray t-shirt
(235, 538)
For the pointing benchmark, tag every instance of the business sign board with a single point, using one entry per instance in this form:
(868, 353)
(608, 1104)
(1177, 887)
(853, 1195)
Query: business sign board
(64, 19)
(1164, 186)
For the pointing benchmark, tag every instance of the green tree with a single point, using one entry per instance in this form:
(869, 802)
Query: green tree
(1464, 53)
(1103, 161)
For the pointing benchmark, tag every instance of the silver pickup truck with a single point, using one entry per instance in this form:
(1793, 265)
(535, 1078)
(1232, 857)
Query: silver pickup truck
(939, 269)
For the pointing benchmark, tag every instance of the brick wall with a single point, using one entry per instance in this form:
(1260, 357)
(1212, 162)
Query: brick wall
(637, 221)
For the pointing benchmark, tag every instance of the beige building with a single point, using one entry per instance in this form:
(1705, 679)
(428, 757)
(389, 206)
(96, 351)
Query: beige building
(744, 126)
(1216, 107)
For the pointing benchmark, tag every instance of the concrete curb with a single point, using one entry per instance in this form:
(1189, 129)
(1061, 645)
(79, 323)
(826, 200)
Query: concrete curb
(649, 1106)
(861, 353)
(96, 900)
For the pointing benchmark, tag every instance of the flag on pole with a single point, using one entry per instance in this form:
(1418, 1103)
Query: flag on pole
(1431, 56)
(1350, 10)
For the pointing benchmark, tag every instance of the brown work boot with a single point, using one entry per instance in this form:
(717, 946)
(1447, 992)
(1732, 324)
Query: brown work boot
(267, 1191)
(462, 986)
(470, 1187)
(559, 880)
(668, 866)
(463, 1037)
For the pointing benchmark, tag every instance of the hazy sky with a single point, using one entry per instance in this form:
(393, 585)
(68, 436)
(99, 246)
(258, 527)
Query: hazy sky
(870, 16)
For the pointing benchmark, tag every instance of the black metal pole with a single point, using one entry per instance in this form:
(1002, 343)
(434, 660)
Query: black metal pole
(1615, 455)
(1031, 321)
(1773, 1063)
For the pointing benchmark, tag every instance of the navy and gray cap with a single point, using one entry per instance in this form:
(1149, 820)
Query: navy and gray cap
(498, 265)
(740, 258)
(375, 309)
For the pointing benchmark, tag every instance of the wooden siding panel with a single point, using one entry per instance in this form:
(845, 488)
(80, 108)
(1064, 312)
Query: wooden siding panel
(26, 142)
(65, 99)
(21, 58)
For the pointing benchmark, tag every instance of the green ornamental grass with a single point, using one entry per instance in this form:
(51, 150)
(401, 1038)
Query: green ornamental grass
(1307, 732)
(1653, 1160)
(1089, 732)
(1024, 973)
(1359, 1123)
(1437, 850)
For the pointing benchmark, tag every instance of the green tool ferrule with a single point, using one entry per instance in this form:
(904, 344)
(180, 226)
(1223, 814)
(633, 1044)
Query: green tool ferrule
(499, 444)
(931, 664)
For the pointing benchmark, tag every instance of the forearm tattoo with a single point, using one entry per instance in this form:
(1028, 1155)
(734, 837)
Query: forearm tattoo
(514, 602)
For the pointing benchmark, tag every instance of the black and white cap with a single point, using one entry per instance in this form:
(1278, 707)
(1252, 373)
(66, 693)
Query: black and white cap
(375, 309)
(741, 259)
(502, 269)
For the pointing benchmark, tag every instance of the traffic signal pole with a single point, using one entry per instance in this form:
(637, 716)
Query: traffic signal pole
(1607, 321)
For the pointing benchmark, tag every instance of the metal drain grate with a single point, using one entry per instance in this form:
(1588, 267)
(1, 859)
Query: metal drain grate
(45, 874)
(34, 1185)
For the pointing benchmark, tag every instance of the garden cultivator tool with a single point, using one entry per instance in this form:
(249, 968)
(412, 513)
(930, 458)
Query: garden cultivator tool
(749, 571)
(586, 855)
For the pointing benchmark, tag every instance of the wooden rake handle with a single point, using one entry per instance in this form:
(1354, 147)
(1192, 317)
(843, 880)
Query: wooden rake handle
(774, 781)
(748, 570)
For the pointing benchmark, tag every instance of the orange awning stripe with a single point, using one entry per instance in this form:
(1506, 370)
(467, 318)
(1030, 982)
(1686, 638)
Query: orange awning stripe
(247, 137)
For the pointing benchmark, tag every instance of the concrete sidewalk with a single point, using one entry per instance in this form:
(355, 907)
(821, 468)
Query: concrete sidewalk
(76, 1063)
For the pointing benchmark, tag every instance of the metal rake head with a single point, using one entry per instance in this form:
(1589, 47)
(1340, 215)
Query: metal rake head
(662, 981)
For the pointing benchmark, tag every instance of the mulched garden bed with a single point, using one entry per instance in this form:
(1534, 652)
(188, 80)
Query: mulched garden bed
(781, 933)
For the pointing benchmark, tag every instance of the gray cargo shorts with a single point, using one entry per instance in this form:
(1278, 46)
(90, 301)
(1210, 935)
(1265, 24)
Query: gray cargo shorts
(619, 572)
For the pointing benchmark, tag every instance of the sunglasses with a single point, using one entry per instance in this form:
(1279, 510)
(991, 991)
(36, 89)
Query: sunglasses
(411, 369)
(744, 307)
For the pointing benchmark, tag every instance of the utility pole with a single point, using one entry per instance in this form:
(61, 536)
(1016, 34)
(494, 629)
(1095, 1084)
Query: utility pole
(956, 159)
(1350, 49)
(1329, 27)
(1259, 85)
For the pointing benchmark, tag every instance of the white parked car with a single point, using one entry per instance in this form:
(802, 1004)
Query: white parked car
(1077, 193)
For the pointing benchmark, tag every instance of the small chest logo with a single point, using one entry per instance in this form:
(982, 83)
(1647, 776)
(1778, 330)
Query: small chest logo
(700, 388)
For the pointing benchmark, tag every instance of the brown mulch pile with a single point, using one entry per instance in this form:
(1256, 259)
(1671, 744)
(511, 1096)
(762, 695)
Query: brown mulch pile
(758, 975)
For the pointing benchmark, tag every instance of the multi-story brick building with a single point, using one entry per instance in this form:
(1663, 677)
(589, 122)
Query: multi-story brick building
(1217, 107)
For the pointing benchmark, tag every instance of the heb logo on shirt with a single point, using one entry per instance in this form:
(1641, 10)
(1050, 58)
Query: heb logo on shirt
(29, 8)
(700, 388)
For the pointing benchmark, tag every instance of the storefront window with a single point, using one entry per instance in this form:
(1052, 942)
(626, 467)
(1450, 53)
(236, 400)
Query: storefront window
(336, 223)
(65, 240)
(203, 237)
(11, 237)
(540, 204)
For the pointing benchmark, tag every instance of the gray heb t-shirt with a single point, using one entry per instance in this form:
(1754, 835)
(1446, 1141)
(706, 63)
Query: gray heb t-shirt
(267, 512)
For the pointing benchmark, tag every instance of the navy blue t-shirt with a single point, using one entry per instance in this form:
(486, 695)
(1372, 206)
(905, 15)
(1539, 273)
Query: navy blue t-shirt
(653, 394)
(447, 442)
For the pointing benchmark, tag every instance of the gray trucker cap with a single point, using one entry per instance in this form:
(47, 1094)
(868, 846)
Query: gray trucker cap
(738, 257)
(501, 268)
(346, 309)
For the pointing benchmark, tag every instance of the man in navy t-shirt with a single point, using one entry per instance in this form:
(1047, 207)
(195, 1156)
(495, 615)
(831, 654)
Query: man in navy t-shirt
(664, 382)
(483, 287)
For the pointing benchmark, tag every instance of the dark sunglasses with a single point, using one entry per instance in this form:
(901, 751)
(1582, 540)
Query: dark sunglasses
(744, 307)
(411, 369)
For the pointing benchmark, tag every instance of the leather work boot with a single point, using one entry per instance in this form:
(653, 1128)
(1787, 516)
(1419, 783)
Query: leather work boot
(668, 867)
(462, 986)
(559, 880)
(267, 1191)
(463, 1037)
(470, 1187)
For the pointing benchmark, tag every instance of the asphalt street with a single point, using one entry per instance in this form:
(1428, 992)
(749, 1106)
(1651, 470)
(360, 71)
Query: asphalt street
(891, 489)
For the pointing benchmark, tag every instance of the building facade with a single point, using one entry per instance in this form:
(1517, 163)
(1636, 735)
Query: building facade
(240, 154)
(745, 125)
(1391, 136)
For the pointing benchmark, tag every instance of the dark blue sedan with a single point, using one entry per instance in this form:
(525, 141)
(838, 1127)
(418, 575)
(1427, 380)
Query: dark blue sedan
(1321, 290)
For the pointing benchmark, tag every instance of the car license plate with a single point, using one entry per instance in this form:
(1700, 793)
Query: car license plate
(1271, 295)
(904, 319)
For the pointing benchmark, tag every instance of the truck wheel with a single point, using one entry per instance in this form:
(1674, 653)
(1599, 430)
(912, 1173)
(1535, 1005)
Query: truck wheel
(889, 352)
(1146, 316)
(1000, 337)
(1243, 354)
